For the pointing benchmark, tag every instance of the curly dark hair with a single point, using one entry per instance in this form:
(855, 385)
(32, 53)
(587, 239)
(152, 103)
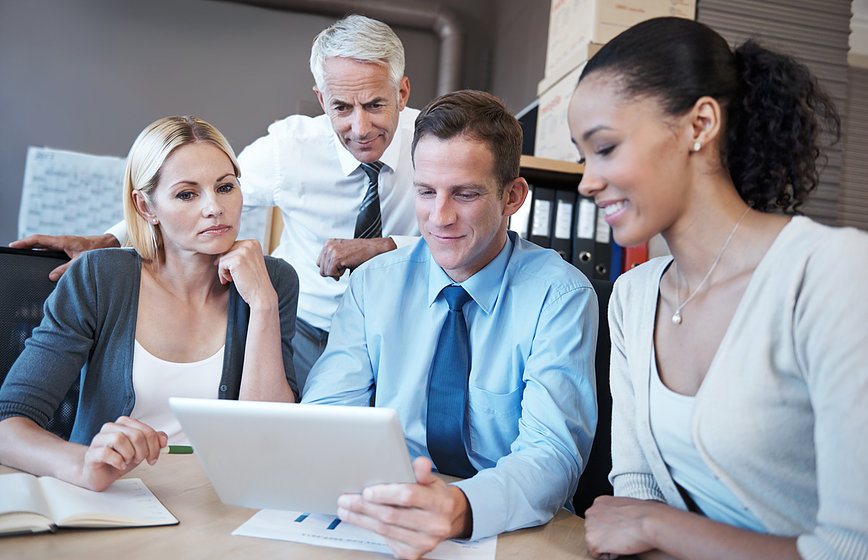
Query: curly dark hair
(775, 111)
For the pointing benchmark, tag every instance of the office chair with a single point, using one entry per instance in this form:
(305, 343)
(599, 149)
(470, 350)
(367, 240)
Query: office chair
(595, 478)
(25, 286)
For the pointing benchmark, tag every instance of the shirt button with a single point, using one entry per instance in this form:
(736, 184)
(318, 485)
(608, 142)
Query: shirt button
(223, 388)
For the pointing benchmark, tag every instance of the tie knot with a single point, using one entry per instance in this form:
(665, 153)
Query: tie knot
(456, 297)
(372, 170)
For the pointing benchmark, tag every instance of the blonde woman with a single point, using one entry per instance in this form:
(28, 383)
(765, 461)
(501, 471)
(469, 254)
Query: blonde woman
(188, 311)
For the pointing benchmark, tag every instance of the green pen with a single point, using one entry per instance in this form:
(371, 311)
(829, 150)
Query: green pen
(177, 450)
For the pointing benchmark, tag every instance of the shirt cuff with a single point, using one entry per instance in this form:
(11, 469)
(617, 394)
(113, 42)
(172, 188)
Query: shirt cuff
(119, 230)
(487, 506)
(403, 240)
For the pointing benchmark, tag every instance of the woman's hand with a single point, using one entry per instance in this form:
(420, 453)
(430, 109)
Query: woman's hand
(244, 265)
(616, 526)
(117, 449)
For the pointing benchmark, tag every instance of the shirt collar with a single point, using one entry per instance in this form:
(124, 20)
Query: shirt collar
(390, 157)
(483, 287)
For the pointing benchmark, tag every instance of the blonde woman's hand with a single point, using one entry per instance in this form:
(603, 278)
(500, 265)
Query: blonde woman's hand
(117, 449)
(244, 265)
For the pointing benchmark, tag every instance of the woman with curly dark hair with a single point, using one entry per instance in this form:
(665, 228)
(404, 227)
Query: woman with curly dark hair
(739, 363)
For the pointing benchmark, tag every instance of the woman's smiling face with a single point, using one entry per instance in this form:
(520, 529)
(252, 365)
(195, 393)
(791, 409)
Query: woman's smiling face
(635, 158)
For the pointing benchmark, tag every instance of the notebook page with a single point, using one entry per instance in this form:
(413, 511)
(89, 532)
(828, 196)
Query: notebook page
(21, 492)
(126, 502)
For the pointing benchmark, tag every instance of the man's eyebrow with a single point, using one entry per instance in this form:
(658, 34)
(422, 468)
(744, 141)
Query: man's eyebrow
(452, 187)
(335, 102)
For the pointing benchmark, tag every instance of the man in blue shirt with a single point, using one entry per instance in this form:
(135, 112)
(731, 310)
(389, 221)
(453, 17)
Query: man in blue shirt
(529, 406)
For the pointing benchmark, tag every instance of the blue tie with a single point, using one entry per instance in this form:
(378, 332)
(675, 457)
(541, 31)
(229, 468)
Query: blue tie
(447, 390)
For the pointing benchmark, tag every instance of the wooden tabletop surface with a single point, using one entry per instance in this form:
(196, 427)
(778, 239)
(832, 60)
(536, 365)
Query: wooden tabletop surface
(206, 525)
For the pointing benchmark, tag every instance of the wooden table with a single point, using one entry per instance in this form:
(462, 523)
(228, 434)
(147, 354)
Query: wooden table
(206, 526)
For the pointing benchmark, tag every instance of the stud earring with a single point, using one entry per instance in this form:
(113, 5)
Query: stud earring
(697, 146)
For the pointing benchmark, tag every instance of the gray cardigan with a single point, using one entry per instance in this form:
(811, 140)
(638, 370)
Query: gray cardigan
(88, 333)
(780, 417)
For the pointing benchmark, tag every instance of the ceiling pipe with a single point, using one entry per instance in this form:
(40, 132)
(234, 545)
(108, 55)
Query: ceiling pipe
(407, 13)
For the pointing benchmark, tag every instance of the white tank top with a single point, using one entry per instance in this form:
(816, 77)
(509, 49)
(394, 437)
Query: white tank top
(670, 414)
(155, 380)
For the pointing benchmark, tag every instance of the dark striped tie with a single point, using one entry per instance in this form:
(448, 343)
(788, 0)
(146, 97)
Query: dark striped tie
(369, 224)
(447, 390)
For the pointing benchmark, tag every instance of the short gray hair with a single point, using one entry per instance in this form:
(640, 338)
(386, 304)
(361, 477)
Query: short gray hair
(359, 38)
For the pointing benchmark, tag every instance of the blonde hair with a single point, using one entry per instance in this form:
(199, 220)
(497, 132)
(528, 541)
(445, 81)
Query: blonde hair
(150, 150)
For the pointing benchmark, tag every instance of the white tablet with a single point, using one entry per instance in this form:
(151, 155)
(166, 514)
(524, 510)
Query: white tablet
(293, 456)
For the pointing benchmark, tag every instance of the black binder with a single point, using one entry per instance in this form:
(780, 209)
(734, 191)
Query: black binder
(584, 232)
(602, 247)
(542, 215)
(562, 230)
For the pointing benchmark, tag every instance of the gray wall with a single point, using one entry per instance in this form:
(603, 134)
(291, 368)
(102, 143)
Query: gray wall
(88, 75)
(519, 57)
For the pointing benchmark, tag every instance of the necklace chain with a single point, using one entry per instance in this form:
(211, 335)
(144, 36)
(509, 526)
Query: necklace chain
(679, 305)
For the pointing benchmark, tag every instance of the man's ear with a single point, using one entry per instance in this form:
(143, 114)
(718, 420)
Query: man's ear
(514, 195)
(319, 98)
(704, 120)
(143, 207)
(403, 92)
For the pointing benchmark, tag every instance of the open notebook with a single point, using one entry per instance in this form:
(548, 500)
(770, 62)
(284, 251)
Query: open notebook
(31, 504)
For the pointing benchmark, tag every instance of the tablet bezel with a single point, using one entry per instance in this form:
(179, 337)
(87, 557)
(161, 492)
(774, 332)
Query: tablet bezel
(297, 457)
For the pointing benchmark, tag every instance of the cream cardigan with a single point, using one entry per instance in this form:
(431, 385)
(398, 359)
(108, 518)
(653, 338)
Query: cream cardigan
(782, 415)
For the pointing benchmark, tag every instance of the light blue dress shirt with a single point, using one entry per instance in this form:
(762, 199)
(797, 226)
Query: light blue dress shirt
(532, 394)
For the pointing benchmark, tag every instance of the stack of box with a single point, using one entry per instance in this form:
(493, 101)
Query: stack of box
(577, 30)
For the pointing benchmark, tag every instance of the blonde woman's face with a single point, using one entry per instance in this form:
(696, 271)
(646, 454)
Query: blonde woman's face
(197, 202)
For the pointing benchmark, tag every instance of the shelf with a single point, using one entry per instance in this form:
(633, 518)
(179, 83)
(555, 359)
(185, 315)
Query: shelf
(551, 172)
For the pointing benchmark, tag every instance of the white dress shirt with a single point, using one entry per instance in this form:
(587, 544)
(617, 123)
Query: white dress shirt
(301, 167)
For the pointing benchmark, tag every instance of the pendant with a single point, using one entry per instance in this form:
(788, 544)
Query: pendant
(676, 318)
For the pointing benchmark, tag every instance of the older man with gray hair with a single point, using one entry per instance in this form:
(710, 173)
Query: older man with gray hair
(343, 180)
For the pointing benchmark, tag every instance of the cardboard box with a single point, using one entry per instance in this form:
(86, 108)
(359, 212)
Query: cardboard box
(585, 55)
(574, 24)
(552, 131)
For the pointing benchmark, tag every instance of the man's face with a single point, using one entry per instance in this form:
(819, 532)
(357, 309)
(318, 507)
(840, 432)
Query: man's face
(363, 105)
(461, 211)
